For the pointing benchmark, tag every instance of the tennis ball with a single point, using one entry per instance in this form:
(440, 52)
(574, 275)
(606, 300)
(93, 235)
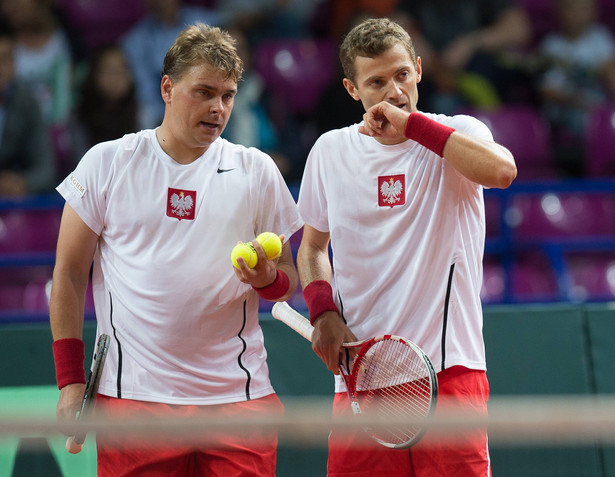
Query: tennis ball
(245, 251)
(271, 243)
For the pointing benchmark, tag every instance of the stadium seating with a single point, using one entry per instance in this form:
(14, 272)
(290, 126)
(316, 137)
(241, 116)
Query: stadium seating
(29, 230)
(297, 69)
(493, 214)
(526, 134)
(542, 16)
(600, 142)
(592, 276)
(553, 215)
(553, 242)
(100, 23)
(494, 281)
(533, 279)
(23, 288)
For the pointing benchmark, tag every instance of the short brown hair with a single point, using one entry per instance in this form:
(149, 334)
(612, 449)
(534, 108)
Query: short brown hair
(371, 38)
(201, 42)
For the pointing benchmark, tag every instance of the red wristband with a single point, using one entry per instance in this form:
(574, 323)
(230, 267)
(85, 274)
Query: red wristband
(427, 132)
(319, 298)
(275, 290)
(69, 354)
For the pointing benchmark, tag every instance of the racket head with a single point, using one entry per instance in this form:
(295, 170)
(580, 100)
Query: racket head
(74, 444)
(393, 378)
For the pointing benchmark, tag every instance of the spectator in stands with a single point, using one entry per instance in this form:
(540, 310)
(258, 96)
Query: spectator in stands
(42, 56)
(462, 44)
(251, 126)
(148, 41)
(340, 14)
(262, 19)
(336, 109)
(27, 163)
(107, 107)
(579, 73)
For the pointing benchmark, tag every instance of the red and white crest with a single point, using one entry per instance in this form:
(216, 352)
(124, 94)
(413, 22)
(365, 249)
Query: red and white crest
(391, 190)
(180, 203)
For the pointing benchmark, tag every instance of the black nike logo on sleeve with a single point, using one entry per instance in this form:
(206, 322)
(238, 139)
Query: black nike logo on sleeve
(220, 171)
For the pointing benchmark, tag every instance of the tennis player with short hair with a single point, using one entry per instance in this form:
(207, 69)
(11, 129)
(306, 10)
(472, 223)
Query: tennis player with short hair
(159, 212)
(400, 200)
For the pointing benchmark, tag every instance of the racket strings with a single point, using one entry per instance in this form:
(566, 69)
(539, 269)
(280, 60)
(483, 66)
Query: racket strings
(392, 380)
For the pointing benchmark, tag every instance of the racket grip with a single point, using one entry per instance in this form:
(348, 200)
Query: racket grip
(282, 311)
(73, 446)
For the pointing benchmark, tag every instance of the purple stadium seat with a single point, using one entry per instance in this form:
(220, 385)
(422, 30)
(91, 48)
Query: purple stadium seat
(600, 142)
(21, 287)
(533, 279)
(526, 134)
(557, 215)
(11, 296)
(36, 296)
(29, 230)
(542, 16)
(99, 22)
(492, 216)
(494, 282)
(29, 289)
(296, 69)
(592, 275)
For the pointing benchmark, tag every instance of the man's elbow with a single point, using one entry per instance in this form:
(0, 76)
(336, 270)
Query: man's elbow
(506, 175)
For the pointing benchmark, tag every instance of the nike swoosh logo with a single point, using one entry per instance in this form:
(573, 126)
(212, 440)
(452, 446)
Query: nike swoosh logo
(220, 171)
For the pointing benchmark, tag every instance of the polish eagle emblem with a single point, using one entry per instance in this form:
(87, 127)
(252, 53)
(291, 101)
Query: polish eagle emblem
(181, 204)
(391, 190)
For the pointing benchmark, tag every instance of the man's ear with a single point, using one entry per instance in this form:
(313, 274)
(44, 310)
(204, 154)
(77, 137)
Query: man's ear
(166, 88)
(419, 69)
(351, 88)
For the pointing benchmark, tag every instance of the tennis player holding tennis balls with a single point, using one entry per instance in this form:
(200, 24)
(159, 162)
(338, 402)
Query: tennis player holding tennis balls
(158, 213)
(405, 190)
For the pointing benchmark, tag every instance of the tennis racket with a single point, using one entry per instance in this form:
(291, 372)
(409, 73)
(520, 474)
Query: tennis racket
(389, 377)
(74, 444)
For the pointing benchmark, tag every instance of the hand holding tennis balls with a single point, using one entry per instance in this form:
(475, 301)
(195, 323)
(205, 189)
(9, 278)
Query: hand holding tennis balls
(272, 246)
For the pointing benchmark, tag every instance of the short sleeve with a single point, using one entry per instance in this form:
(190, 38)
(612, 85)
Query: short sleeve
(312, 200)
(84, 188)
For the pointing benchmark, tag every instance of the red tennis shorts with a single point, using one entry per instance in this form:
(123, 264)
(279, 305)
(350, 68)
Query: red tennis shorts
(357, 455)
(251, 453)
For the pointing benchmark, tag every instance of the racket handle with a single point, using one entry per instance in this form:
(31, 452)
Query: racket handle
(282, 311)
(72, 446)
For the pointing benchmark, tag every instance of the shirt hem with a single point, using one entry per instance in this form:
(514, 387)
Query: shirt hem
(189, 400)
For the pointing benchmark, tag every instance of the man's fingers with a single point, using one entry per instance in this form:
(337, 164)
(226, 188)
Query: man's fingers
(72, 446)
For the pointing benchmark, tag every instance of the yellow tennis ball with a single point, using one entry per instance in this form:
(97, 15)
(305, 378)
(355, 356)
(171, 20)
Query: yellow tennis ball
(245, 251)
(271, 243)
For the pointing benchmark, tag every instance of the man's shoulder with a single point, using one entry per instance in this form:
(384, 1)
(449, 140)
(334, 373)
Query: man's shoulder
(334, 136)
(122, 148)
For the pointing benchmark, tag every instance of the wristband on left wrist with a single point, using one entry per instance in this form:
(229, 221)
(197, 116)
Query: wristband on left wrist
(276, 289)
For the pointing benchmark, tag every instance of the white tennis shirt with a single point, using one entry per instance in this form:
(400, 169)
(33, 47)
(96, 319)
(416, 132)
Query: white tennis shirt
(183, 328)
(407, 234)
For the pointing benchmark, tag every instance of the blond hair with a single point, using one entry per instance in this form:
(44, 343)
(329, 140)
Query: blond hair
(201, 42)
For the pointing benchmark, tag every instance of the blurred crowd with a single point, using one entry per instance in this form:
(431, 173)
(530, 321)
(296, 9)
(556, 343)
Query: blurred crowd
(77, 72)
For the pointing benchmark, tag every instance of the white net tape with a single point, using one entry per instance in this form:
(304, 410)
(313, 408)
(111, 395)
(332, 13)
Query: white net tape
(561, 421)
